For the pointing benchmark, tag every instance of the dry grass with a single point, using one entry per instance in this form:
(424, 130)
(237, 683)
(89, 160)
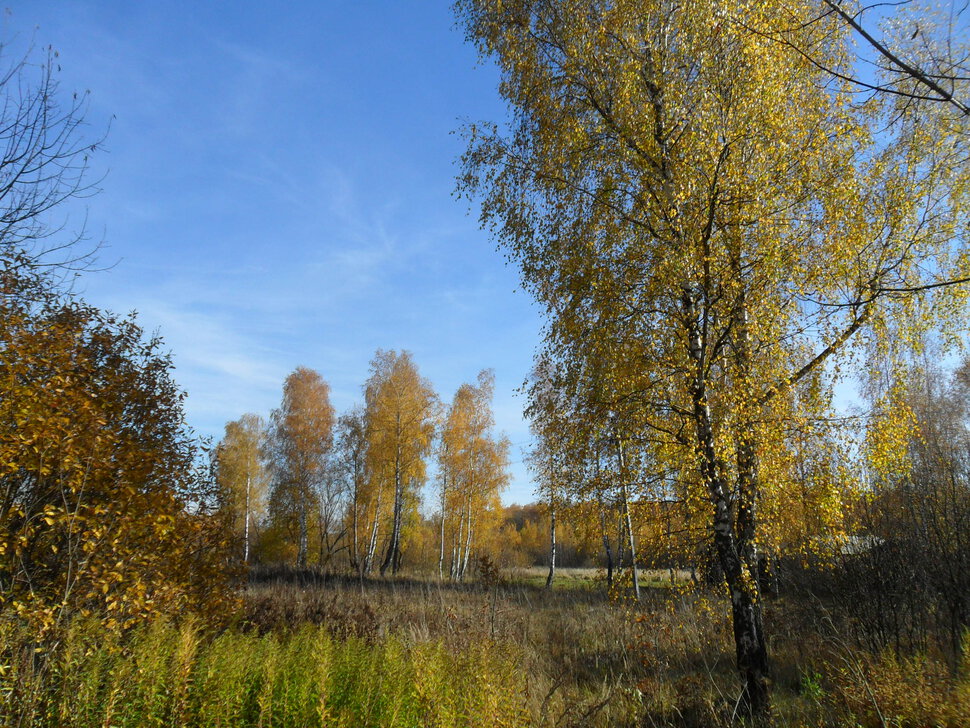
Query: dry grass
(590, 659)
(409, 651)
(579, 650)
(595, 660)
(587, 578)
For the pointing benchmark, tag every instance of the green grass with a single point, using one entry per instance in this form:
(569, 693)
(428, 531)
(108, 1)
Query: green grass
(587, 578)
(168, 676)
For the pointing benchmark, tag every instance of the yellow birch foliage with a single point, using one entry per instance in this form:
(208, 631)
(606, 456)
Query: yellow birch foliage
(714, 224)
(299, 442)
(242, 479)
(473, 468)
(681, 174)
(400, 413)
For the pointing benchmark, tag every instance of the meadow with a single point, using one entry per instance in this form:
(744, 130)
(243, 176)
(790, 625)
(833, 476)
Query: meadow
(308, 649)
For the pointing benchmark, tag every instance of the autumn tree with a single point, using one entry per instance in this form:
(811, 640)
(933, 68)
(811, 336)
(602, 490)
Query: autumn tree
(332, 494)
(714, 228)
(524, 538)
(919, 49)
(299, 440)
(472, 472)
(551, 489)
(104, 507)
(105, 504)
(350, 455)
(242, 479)
(582, 457)
(400, 412)
(557, 456)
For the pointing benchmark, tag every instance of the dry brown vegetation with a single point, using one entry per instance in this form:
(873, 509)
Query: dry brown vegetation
(589, 658)
(308, 648)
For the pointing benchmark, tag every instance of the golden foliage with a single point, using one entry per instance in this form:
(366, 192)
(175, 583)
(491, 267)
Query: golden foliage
(299, 441)
(399, 422)
(473, 470)
(714, 225)
(242, 479)
(102, 505)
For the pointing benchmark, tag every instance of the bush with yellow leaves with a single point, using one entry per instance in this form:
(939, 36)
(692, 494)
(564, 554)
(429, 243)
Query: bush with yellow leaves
(103, 506)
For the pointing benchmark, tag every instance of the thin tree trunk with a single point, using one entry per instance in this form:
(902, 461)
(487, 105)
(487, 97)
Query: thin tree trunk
(456, 545)
(669, 541)
(629, 520)
(321, 538)
(354, 554)
(552, 543)
(304, 533)
(620, 545)
(607, 547)
(398, 525)
(390, 558)
(246, 524)
(441, 553)
(461, 541)
(355, 516)
(372, 547)
(468, 543)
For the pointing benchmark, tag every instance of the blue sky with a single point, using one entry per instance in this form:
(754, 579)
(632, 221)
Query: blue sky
(279, 193)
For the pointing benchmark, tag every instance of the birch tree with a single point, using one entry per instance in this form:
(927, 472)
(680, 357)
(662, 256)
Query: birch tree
(473, 471)
(919, 49)
(715, 228)
(550, 458)
(242, 479)
(400, 413)
(300, 437)
(351, 457)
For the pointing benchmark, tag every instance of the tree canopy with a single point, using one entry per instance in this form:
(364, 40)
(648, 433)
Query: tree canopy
(714, 226)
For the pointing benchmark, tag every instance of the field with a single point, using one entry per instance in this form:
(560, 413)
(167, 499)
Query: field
(583, 657)
(313, 650)
(586, 578)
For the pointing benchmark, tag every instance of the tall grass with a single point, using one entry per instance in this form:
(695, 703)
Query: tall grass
(175, 676)
(412, 653)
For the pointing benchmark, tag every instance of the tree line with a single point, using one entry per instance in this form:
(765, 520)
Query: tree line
(111, 505)
(311, 488)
